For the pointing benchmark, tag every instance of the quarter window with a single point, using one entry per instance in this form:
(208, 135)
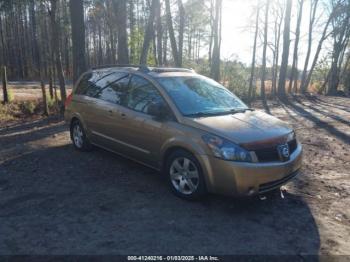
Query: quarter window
(83, 84)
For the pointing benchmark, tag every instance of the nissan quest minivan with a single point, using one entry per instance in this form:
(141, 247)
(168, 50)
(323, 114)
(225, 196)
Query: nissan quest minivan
(192, 129)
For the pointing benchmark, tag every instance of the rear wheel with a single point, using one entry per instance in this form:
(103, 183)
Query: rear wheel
(185, 175)
(78, 136)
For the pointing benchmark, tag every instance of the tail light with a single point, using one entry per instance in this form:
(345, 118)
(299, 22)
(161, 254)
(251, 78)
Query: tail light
(68, 100)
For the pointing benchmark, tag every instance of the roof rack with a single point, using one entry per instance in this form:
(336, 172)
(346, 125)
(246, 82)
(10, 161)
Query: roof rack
(145, 68)
(119, 65)
(169, 69)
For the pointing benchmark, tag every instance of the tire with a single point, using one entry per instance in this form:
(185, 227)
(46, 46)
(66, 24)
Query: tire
(78, 137)
(185, 176)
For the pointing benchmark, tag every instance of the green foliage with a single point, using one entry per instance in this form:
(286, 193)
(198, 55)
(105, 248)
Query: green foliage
(317, 86)
(135, 41)
(10, 95)
(321, 70)
(5, 112)
(51, 103)
(235, 76)
(28, 107)
(202, 67)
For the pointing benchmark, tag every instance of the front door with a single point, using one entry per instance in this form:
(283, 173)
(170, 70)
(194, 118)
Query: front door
(140, 131)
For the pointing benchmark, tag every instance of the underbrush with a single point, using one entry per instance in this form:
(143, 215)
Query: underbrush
(16, 110)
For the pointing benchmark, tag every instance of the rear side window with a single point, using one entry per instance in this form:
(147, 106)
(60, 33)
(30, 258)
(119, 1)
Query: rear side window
(92, 82)
(115, 91)
(109, 79)
(142, 93)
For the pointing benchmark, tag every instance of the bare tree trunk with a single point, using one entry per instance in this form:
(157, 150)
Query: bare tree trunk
(252, 71)
(159, 33)
(172, 34)
(155, 48)
(294, 71)
(57, 53)
(123, 52)
(38, 59)
(51, 82)
(318, 50)
(285, 52)
(148, 34)
(43, 91)
(100, 52)
(341, 35)
(165, 47)
(313, 9)
(211, 37)
(78, 37)
(278, 26)
(4, 86)
(181, 30)
(3, 47)
(132, 31)
(215, 63)
(345, 67)
(263, 69)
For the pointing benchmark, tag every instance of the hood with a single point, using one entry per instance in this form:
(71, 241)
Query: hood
(242, 128)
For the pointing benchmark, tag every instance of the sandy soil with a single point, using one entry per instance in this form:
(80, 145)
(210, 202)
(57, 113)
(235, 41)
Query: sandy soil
(55, 200)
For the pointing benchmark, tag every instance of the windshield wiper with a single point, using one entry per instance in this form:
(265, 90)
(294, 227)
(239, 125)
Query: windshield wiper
(232, 111)
(202, 114)
(241, 110)
(235, 111)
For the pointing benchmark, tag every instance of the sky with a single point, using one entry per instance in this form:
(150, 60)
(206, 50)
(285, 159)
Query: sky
(238, 30)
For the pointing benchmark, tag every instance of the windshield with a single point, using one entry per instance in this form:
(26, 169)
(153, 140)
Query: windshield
(197, 95)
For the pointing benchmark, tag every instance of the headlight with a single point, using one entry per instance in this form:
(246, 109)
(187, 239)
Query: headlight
(291, 136)
(225, 149)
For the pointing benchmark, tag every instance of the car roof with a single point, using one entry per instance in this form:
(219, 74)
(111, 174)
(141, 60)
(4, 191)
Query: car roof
(156, 72)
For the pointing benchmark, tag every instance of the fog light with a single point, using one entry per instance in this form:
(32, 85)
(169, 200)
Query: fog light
(251, 191)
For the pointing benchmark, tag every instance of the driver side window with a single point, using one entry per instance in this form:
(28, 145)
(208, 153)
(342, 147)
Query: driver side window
(142, 94)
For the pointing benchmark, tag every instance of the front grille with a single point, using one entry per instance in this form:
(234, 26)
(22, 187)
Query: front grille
(270, 154)
(267, 154)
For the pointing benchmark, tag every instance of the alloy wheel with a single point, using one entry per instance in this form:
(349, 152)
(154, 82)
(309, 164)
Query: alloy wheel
(184, 175)
(78, 136)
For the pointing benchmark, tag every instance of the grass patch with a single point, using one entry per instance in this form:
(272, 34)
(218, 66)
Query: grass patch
(26, 109)
(9, 111)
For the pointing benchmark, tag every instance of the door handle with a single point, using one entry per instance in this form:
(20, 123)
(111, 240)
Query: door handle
(110, 112)
(123, 116)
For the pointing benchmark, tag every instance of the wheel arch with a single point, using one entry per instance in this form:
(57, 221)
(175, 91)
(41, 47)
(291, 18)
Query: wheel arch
(77, 117)
(174, 145)
(171, 150)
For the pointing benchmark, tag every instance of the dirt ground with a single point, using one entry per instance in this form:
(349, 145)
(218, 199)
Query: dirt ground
(24, 91)
(55, 200)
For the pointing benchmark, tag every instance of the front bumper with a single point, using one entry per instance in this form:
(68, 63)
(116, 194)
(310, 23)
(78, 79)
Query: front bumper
(244, 179)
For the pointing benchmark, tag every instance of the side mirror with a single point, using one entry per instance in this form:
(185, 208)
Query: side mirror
(158, 109)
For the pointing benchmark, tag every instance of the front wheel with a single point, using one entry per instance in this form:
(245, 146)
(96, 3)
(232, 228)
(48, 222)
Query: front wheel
(78, 136)
(185, 175)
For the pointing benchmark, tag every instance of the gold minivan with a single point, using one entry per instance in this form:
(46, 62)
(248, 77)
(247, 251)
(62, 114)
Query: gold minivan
(192, 129)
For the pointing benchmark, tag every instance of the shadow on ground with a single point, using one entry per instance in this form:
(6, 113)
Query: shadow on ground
(316, 113)
(59, 201)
